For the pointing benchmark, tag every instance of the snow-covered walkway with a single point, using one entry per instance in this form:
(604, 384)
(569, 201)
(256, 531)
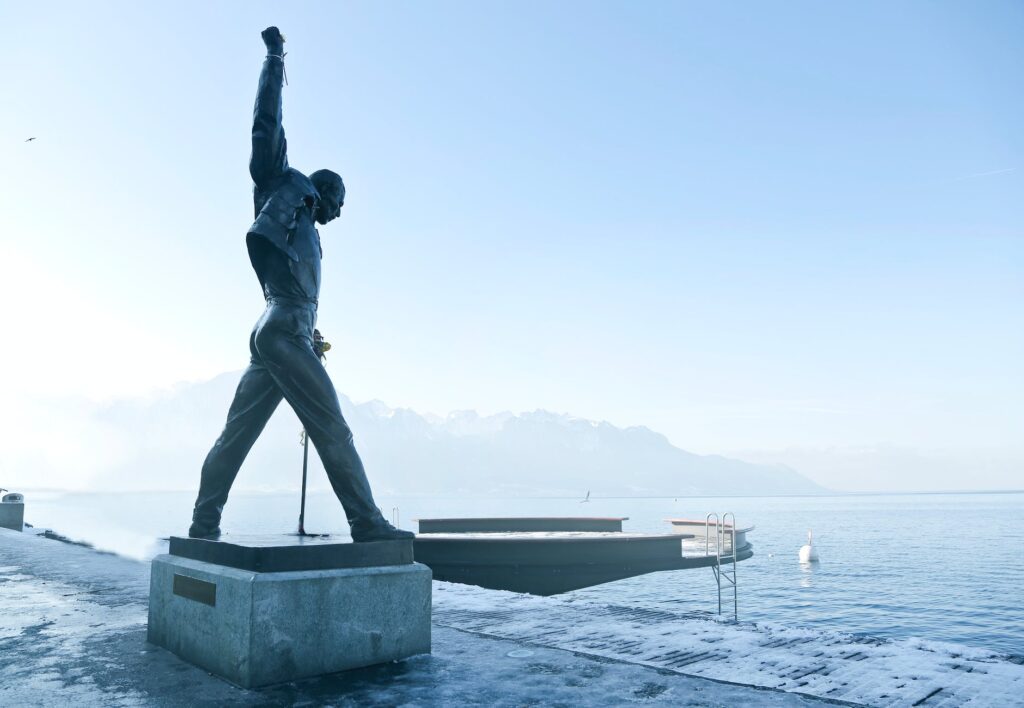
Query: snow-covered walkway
(828, 665)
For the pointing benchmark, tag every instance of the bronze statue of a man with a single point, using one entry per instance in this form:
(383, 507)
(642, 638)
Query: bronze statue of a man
(284, 248)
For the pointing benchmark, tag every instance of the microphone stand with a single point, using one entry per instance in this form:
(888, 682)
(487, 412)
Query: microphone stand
(320, 347)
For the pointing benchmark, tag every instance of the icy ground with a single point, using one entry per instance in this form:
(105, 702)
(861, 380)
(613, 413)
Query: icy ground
(72, 632)
(830, 665)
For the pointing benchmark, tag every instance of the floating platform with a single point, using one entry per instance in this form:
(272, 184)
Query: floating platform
(548, 556)
(522, 523)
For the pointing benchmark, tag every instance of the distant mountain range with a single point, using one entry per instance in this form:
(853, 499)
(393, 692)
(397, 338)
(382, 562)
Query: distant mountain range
(165, 438)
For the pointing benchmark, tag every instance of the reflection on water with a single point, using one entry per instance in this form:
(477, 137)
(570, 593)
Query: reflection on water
(806, 573)
(895, 565)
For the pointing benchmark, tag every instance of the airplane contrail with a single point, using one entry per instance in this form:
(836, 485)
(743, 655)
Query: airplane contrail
(989, 173)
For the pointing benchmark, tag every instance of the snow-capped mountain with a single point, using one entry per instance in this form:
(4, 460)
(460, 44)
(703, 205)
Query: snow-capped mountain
(165, 438)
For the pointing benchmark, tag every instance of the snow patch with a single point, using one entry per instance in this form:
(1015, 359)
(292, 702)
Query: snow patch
(832, 665)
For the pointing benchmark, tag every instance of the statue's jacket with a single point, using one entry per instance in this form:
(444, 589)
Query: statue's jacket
(285, 199)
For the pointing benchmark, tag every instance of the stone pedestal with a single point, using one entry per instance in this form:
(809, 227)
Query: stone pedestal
(258, 611)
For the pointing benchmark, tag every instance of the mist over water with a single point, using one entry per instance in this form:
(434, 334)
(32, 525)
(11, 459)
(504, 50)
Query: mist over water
(944, 567)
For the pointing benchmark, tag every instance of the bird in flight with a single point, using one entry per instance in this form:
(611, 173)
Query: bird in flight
(30, 140)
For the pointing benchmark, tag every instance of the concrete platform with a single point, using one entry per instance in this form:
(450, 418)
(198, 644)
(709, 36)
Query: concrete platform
(257, 628)
(522, 523)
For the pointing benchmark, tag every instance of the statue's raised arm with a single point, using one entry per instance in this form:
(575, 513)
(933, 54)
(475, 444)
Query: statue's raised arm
(269, 148)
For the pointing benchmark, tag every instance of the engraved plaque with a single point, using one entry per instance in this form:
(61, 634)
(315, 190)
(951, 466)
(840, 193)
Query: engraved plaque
(195, 589)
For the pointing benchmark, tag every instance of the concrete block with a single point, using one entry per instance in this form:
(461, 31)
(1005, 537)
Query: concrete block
(12, 516)
(257, 628)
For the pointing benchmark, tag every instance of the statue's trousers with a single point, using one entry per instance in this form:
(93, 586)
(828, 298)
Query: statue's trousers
(284, 365)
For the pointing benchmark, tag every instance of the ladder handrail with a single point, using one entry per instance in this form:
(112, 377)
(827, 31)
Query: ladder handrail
(707, 533)
(735, 582)
(721, 535)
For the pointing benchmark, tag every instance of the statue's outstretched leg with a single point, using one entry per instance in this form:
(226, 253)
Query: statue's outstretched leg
(285, 346)
(256, 398)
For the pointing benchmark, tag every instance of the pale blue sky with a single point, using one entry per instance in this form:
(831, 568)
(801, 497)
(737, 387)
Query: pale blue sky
(752, 227)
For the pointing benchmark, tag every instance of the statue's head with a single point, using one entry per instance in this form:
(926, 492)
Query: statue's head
(332, 195)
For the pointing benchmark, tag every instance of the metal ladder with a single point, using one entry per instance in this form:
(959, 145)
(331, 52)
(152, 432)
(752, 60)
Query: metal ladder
(721, 574)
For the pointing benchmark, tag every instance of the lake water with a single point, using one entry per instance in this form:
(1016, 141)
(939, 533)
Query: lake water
(947, 567)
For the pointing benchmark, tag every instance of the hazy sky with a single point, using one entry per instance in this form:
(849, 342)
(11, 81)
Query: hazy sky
(773, 229)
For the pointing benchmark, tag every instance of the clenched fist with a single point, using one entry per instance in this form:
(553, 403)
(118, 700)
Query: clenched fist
(274, 40)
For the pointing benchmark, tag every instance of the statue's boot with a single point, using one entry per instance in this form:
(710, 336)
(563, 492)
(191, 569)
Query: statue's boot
(380, 530)
(204, 532)
(333, 441)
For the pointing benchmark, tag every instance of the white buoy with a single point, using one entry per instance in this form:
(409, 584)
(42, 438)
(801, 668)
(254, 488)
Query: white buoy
(808, 553)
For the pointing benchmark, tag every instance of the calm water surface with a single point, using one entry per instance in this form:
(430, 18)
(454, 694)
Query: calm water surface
(947, 567)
